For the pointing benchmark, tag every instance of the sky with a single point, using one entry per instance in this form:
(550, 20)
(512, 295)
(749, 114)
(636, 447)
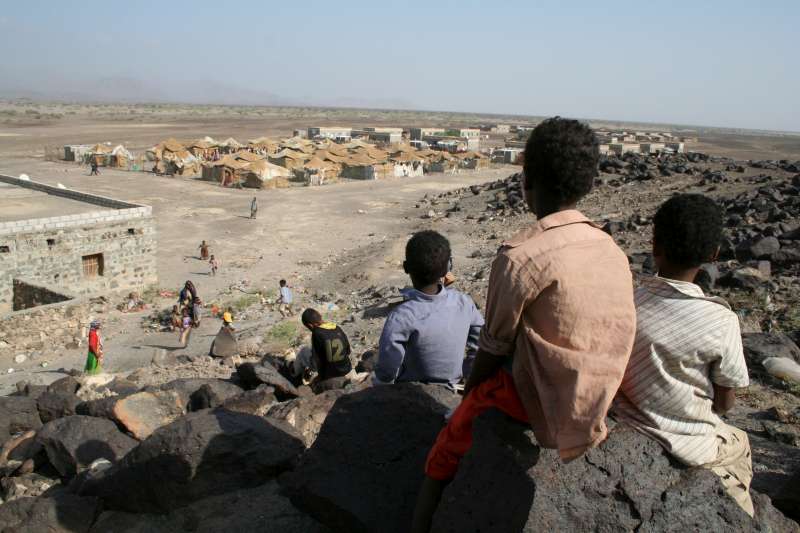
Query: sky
(714, 63)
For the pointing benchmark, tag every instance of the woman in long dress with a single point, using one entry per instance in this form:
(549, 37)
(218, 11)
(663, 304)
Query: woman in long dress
(95, 356)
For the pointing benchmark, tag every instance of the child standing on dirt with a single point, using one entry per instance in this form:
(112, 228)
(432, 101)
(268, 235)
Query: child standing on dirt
(186, 327)
(213, 264)
(285, 299)
(688, 357)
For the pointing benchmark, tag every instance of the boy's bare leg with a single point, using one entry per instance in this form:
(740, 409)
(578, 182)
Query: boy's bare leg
(427, 501)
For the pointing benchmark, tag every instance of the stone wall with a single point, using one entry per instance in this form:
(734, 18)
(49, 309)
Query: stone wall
(51, 251)
(27, 295)
(44, 328)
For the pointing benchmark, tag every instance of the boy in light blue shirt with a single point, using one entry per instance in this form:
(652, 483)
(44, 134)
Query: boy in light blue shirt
(285, 299)
(431, 337)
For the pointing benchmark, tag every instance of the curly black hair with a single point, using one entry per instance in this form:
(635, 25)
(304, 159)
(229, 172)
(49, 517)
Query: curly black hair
(688, 228)
(561, 158)
(427, 256)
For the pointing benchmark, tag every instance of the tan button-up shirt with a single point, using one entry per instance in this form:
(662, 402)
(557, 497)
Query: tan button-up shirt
(560, 301)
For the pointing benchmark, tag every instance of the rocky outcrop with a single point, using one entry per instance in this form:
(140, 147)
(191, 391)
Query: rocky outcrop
(187, 389)
(253, 402)
(253, 375)
(761, 346)
(366, 465)
(628, 483)
(144, 412)
(74, 442)
(199, 455)
(18, 414)
(306, 415)
(260, 509)
(53, 405)
(60, 513)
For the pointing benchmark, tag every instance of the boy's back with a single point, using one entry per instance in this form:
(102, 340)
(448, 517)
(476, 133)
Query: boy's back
(685, 343)
(425, 337)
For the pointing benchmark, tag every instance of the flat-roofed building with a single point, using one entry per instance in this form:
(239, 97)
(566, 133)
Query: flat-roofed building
(335, 133)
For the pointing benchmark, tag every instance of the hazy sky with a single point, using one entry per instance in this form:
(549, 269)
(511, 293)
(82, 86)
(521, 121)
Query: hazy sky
(719, 63)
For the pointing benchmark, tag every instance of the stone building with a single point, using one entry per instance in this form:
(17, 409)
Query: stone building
(57, 244)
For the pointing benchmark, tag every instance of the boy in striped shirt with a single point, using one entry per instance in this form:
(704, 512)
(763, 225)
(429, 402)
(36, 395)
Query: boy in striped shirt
(687, 358)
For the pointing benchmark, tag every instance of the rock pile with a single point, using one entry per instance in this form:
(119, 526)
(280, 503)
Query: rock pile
(341, 460)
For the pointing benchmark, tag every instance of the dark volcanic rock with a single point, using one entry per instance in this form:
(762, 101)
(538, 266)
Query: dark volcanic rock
(254, 374)
(761, 346)
(60, 513)
(67, 385)
(744, 278)
(199, 455)
(186, 388)
(261, 509)
(366, 465)
(253, 402)
(306, 415)
(628, 483)
(74, 442)
(53, 405)
(788, 499)
(761, 248)
(18, 414)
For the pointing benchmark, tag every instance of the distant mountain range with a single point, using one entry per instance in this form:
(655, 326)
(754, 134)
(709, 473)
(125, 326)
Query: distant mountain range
(134, 90)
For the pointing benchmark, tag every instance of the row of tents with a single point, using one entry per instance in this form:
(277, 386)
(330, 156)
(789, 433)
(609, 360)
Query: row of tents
(265, 162)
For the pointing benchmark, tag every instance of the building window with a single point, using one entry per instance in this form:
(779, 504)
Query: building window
(92, 265)
(5, 249)
(131, 231)
(51, 243)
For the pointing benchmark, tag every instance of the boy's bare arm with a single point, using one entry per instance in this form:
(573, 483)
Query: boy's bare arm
(724, 399)
(484, 367)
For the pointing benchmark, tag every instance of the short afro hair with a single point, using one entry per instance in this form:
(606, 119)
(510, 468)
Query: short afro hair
(561, 158)
(427, 256)
(311, 316)
(688, 229)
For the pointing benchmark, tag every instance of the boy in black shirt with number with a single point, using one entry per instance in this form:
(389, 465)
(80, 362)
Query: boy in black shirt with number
(329, 346)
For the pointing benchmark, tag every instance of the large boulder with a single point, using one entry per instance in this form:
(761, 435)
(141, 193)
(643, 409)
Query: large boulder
(60, 513)
(254, 374)
(199, 455)
(187, 388)
(366, 465)
(67, 385)
(306, 415)
(258, 510)
(53, 405)
(759, 248)
(788, 498)
(74, 442)
(628, 483)
(253, 402)
(761, 346)
(18, 414)
(144, 412)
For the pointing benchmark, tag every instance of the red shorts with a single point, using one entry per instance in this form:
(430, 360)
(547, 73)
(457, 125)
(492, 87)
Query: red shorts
(455, 440)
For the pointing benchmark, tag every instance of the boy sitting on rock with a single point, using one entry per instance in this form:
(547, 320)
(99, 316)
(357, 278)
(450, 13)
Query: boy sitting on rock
(425, 338)
(560, 319)
(688, 357)
(329, 356)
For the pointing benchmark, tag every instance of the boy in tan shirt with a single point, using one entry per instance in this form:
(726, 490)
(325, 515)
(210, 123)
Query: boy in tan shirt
(560, 319)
